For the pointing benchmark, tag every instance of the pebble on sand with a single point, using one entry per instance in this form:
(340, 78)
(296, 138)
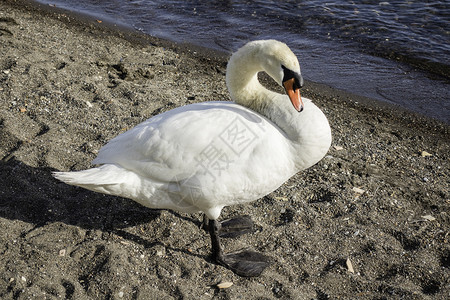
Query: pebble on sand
(350, 266)
(224, 285)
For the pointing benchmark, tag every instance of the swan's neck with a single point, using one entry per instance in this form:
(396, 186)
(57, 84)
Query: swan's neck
(246, 90)
(308, 131)
(243, 84)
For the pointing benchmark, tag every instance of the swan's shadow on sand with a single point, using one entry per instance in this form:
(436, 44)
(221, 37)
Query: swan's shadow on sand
(32, 195)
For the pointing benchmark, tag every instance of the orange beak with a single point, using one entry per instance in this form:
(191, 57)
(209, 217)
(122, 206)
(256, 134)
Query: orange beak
(294, 94)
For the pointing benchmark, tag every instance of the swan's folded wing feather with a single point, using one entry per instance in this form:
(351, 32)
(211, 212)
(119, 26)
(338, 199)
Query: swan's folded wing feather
(162, 148)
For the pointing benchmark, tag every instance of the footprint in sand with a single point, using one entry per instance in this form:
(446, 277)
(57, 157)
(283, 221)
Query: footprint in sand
(8, 21)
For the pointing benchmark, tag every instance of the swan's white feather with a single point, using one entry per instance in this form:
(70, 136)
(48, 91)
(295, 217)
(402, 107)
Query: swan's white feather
(221, 153)
(204, 156)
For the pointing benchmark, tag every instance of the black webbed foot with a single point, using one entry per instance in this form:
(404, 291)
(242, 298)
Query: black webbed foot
(244, 263)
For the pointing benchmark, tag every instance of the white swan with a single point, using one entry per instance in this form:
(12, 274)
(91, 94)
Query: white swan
(204, 156)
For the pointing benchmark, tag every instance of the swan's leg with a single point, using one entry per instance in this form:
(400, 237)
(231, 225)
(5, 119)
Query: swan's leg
(231, 228)
(244, 263)
(205, 224)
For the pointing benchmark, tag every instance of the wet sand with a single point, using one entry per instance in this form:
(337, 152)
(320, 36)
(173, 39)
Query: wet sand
(378, 201)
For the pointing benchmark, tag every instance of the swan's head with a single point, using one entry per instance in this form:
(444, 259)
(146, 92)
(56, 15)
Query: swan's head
(276, 59)
(282, 65)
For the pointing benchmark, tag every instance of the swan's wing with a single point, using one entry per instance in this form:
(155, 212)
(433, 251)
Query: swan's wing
(202, 142)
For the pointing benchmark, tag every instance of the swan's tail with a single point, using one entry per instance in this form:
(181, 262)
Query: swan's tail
(105, 179)
(115, 180)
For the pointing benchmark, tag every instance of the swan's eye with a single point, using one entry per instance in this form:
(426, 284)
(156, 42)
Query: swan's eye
(289, 74)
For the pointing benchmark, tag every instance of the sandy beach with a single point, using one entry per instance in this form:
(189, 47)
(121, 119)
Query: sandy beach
(370, 221)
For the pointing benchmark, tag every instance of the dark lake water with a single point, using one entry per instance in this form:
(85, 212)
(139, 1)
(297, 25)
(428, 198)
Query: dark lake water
(393, 51)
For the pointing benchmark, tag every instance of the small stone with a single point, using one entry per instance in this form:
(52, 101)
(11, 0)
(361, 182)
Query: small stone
(425, 154)
(62, 252)
(120, 294)
(338, 148)
(350, 266)
(358, 190)
(161, 252)
(23, 279)
(429, 218)
(224, 285)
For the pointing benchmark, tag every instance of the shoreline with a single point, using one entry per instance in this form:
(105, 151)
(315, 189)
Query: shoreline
(68, 84)
(212, 53)
(134, 36)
